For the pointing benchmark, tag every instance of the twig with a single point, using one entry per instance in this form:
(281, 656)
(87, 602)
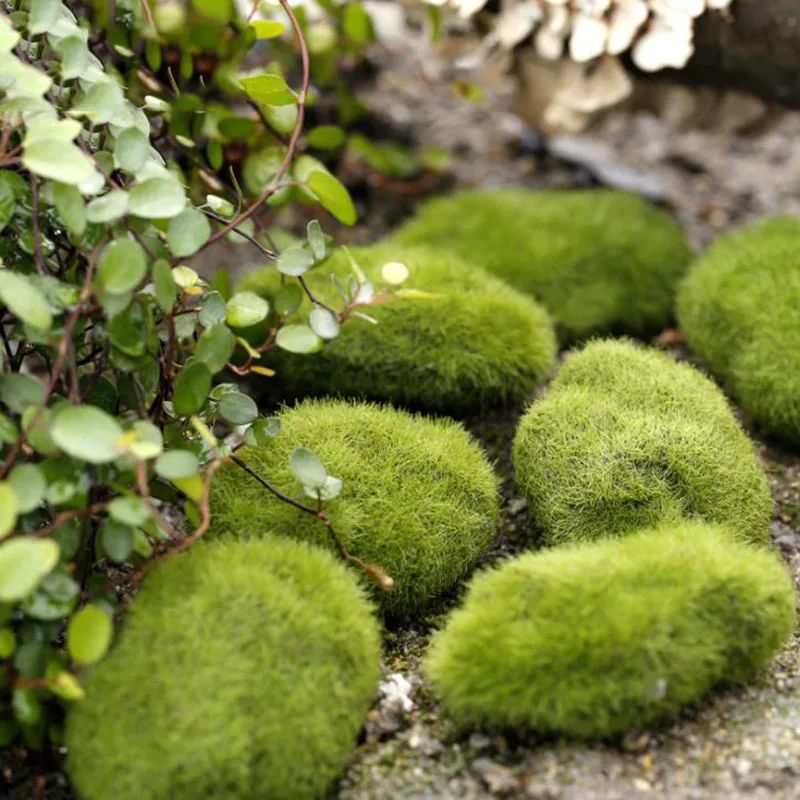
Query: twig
(148, 13)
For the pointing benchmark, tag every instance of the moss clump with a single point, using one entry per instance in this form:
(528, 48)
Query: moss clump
(738, 308)
(419, 496)
(244, 671)
(594, 640)
(599, 261)
(626, 438)
(477, 343)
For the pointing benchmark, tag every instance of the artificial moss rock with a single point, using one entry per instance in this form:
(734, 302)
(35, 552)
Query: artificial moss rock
(476, 343)
(592, 641)
(738, 308)
(419, 498)
(599, 261)
(627, 438)
(244, 671)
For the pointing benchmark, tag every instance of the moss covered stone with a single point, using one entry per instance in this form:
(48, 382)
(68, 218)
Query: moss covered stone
(738, 308)
(599, 261)
(244, 670)
(477, 342)
(594, 640)
(627, 438)
(419, 497)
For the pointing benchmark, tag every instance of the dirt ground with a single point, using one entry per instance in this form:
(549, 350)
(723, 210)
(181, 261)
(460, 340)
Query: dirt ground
(743, 743)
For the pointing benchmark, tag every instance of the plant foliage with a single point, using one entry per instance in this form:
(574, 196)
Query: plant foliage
(598, 639)
(626, 438)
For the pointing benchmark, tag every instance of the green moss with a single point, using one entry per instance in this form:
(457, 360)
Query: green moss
(244, 670)
(599, 261)
(594, 640)
(627, 438)
(738, 308)
(419, 496)
(477, 343)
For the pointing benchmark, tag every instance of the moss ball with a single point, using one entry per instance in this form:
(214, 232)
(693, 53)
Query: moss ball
(476, 343)
(738, 308)
(627, 438)
(419, 497)
(243, 671)
(595, 640)
(599, 261)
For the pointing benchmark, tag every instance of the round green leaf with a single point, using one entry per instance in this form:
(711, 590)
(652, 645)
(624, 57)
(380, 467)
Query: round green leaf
(29, 484)
(100, 104)
(297, 339)
(6, 204)
(245, 309)
(89, 635)
(185, 277)
(60, 161)
(176, 464)
(323, 323)
(267, 29)
(307, 468)
(131, 150)
(215, 347)
(43, 15)
(316, 240)
(331, 490)
(74, 56)
(191, 389)
(108, 208)
(164, 285)
(121, 266)
(212, 309)
(24, 561)
(8, 643)
(295, 261)
(87, 433)
(70, 206)
(188, 232)
(268, 89)
(9, 508)
(8, 430)
(237, 408)
(24, 300)
(116, 540)
(157, 198)
(19, 391)
(262, 430)
(326, 137)
(131, 511)
(332, 196)
(288, 299)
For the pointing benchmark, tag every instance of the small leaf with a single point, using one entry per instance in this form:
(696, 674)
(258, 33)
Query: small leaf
(89, 635)
(74, 57)
(19, 392)
(24, 561)
(66, 686)
(267, 29)
(185, 277)
(9, 508)
(357, 25)
(116, 540)
(288, 299)
(8, 430)
(43, 15)
(175, 464)
(86, 432)
(122, 265)
(131, 150)
(297, 339)
(268, 89)
(108, 208)
(100, 104)
(262, 430)
(157, 198)
(164, 285)
(6, 204)
(323, 323)
(70, 206)
(394, 273)
(193, 487)
(307, 468)
(326, 137)
(332, 196)
(24, 300)
(295, 261)
(316, 240)
(212, 309)
(131, 511)
(215, 347)
(245, 309)
(330, 491)
(29, 484)
(191, 389)
(237, 408)
(188, 232)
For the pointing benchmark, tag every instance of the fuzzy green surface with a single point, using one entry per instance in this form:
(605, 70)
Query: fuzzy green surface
(627, 438)
(592, 641)
(477, 343)
(419, 497)
(739, 308)
(243, 671)
(599, 261)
